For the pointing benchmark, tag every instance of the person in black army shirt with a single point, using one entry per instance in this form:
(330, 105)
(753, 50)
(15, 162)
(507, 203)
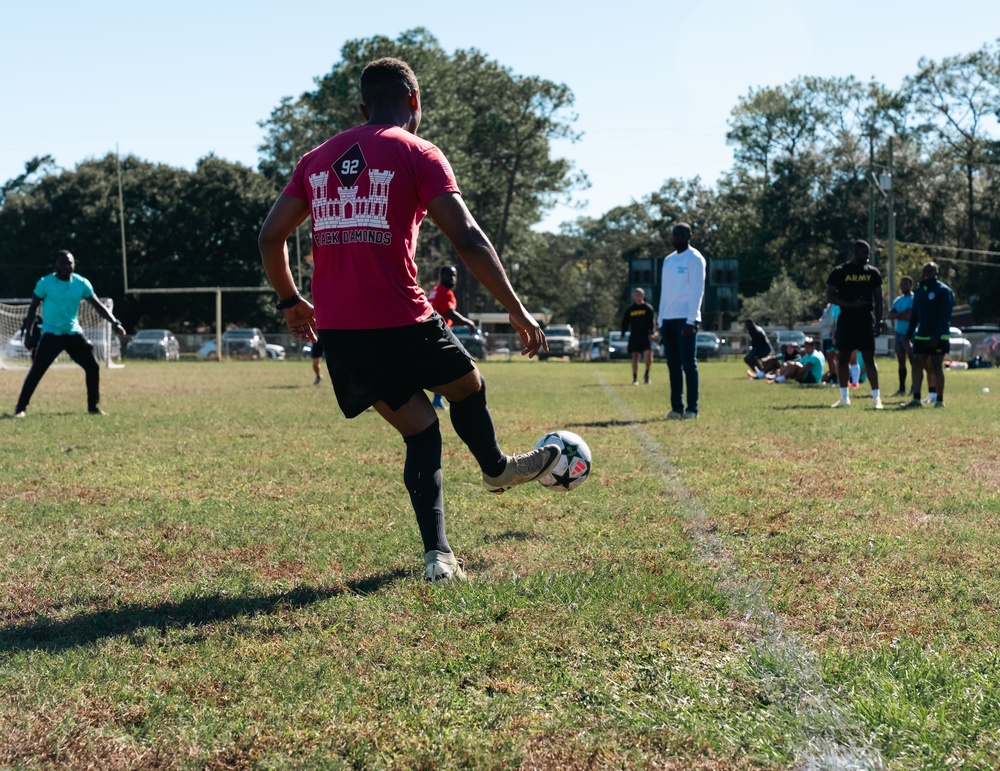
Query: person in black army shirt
(640, 322)
(856, 287)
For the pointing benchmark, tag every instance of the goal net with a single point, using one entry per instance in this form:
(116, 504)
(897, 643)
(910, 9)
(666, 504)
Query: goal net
(13, 354)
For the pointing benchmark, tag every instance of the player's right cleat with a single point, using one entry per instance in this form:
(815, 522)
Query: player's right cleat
(877, 404)
(675, 415)
(939, 404)
(316, 381)
(19, 414)
(96, 411)
(442, 566)
(841, 403)
(913, 403)
(524, 468)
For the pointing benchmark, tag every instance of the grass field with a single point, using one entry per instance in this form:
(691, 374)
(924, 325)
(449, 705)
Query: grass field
(224, 573)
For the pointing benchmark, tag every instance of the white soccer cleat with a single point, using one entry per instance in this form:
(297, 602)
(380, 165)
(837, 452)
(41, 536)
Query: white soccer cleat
(19, 414)
(877, 404)
(442, 566)
(524, 468)
(841, 403)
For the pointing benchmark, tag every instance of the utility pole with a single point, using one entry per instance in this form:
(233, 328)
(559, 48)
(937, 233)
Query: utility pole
(871, 193)
(892, 231)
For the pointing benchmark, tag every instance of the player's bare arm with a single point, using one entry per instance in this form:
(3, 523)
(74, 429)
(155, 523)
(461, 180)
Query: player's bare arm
(286, 215)
(105, 314)
(450, 214)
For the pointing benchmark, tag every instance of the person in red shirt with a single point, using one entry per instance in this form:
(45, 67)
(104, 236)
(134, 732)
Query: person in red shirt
(442, 299)
(366, 190)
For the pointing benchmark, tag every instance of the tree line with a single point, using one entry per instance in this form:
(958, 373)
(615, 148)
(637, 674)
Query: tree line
(803, 186)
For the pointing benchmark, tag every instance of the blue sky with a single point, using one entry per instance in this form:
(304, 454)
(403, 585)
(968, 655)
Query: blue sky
(654, 81)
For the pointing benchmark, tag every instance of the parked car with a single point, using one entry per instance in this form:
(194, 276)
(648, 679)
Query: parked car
(244, 343)
(707, 345)
(275, 351)
(14, 350)
(785, 337)
(474, 340)
(562, 341)
(959, 346)
(618, 345)
(154, 344)
(597, 349)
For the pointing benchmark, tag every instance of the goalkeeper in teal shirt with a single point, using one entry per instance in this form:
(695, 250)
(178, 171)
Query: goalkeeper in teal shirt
(60, 294)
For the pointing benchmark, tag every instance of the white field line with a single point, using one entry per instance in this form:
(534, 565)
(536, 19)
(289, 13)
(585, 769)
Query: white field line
(830, 739)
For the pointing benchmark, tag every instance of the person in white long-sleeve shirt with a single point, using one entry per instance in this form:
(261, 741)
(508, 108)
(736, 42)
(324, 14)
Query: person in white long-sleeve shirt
(682, 289)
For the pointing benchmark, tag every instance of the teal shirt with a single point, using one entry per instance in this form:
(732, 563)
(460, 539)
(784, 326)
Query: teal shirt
(814, 363)
(902, 304)
(61, 303)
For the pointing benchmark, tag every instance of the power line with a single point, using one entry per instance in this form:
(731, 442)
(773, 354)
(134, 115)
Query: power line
(957, 249)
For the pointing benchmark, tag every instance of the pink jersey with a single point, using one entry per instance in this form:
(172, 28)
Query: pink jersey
(368, 190)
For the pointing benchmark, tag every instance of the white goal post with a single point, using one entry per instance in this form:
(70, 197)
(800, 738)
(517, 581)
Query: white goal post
(13, 354)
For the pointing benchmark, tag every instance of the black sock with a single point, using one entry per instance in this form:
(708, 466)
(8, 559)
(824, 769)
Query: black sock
(902, 378)
(422, 477)
(474, 426)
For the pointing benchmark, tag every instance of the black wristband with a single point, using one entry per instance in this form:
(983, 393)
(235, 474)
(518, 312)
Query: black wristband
(295, 299)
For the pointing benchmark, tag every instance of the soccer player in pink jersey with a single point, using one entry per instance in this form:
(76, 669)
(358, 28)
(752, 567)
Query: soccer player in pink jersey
(366, 190)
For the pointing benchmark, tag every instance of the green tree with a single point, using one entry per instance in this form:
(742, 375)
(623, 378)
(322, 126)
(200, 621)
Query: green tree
(183, 229)
(783, 303)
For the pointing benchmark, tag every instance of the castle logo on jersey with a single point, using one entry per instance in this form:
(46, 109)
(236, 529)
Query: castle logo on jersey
(348, 209)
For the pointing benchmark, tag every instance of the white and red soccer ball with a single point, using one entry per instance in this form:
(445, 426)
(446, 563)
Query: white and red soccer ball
(574, 465)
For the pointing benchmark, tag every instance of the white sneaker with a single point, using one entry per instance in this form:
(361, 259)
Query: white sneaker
(524, 468)
(443, 566)
(877, 404)
(841, 403)
(19, 414)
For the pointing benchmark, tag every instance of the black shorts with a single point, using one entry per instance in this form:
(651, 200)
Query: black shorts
(317, 349)
(828, 345)
(761, 352)
(808, 379)
(390, 365)
(855, 334)
(931, 347)
(638, 343)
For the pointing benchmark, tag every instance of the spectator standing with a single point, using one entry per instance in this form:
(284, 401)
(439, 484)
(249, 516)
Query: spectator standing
(640, 322)
(899, 313)
(442, 299)
(929, 329)
(856, 287)
(316, 353)
(827, 325)
(682, 289)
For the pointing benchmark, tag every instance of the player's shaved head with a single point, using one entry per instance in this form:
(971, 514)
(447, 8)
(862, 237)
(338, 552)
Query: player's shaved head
(387, 80)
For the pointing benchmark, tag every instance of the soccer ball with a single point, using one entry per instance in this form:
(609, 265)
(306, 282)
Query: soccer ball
(573, 467)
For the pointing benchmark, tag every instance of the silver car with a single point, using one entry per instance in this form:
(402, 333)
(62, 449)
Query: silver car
(248, 343)
(154, 344)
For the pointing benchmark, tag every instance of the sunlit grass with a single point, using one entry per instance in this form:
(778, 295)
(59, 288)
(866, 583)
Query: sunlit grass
(224, 572)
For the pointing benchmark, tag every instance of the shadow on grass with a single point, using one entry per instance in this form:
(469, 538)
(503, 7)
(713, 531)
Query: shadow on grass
(786, 407)
(128, 619)
(613, 423)
(511, 535)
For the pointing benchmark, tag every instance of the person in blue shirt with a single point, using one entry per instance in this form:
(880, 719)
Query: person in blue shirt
(900, 314)
(60, 294)
(929, 329)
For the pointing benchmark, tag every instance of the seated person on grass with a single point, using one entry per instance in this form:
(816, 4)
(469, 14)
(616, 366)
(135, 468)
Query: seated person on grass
(807, 369)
